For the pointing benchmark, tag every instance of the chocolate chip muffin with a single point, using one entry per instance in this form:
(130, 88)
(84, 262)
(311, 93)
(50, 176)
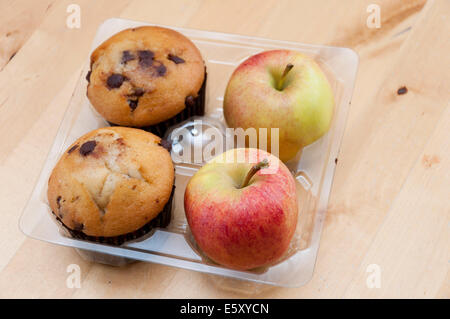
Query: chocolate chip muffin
(113, 184)
(149, 76)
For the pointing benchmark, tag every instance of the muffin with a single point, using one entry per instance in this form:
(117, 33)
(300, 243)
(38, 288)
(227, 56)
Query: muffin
(112, 185)
(149, 77)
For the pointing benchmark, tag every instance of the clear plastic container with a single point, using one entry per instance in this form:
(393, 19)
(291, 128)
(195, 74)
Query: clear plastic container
(313, 169)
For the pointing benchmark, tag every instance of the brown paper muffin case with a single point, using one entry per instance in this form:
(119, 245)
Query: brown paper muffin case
(161, 220)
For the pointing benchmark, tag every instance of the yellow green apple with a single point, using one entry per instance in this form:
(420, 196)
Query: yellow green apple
(280, 89)
(241, 208)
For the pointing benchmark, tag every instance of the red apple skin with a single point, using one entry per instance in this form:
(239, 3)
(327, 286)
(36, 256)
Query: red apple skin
(242, 228)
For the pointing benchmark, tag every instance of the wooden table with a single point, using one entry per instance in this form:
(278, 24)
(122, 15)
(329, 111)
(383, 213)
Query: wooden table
(390, 201)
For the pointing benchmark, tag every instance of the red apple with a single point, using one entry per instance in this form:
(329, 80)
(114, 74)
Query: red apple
(242, 213)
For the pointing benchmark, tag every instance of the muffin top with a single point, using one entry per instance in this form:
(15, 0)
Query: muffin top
(111, 181)
(143, 76)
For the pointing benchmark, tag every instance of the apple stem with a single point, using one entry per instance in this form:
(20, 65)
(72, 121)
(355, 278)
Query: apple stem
(283, 76)
(263, 164)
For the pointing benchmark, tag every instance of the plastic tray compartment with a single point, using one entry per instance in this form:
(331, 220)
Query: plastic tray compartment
(174, 245)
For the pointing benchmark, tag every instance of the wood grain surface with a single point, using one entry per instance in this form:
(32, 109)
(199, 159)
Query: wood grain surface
(390, 201)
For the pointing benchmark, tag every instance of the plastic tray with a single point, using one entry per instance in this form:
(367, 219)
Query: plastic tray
(174, 245)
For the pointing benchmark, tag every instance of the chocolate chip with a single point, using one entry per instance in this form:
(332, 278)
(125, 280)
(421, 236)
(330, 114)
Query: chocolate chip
(87, 148)
(133, 104)
(146, 63)
(127, 56)
(73, 148)
(138, 92)
(58, 201)
(335, 160)
(166, 144)
(115, 80)
(146, 58)
(88, 76)
(402, 90)
(161, 70)
(175, 59)
(189, 101)
(146, 54)
(78, 226)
